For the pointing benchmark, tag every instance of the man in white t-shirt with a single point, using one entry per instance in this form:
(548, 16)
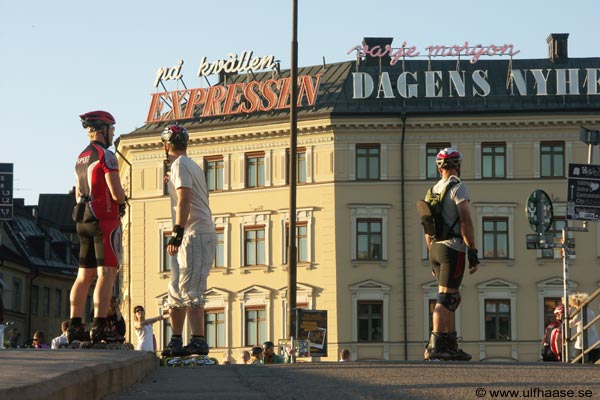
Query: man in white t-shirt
(193, 242)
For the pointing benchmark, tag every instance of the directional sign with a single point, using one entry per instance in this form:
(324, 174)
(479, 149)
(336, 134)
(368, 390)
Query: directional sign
(539, 211)
(583, 192)
(6, 191)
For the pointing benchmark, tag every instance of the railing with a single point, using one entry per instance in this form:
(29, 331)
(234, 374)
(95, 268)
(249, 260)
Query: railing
(582, 358)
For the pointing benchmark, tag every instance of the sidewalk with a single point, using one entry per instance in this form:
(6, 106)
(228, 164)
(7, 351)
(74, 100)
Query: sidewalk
(31, 374)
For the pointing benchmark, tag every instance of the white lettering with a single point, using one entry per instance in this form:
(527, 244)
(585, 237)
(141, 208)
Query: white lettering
(235, 64)
(403, 86)
(385, 86)
(562, 81)
(593, 82)
(433, 83)
(363, 85)
(541, 81)
(480, 80)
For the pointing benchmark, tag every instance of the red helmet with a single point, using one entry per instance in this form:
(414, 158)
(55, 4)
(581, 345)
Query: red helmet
(448, 158)
(97, 119)
(175, 134)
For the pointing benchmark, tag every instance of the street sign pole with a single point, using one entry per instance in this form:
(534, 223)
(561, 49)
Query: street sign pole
(565, 257)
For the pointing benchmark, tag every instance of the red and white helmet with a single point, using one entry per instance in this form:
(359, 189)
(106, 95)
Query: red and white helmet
(97, 119)
(448, 158)
(559, 309)
(175, 134)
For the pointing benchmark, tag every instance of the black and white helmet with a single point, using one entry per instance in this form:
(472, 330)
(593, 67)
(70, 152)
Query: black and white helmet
(175, 134)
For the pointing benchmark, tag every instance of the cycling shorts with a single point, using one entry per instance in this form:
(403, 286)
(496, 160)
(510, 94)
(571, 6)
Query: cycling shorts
(448, 265)
(100, 244)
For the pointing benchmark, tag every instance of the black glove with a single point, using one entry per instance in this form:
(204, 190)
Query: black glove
(472, 256)
(123, 207)
(176, 236)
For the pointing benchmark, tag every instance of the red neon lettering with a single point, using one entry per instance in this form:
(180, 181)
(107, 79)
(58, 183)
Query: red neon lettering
(306, 88)
(284, 94)
(215, 96)
(196, 97)
(233, 96)
(269, 94)
(252, 97)
(155, 108)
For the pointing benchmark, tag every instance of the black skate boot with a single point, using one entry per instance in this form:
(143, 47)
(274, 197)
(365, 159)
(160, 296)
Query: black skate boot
(103, 334)
(77, 333)
(175, 348)
(198, 346)
(456, 353)
(437, 348)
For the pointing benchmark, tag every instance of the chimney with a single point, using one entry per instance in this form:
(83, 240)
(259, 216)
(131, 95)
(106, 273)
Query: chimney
(557, 47)
(381, 42)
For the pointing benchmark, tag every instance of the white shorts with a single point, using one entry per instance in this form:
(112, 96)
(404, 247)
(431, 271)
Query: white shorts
(190, 270)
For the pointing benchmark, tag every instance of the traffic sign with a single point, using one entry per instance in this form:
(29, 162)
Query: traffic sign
(6, 191)
(583, 192)
(539, 211)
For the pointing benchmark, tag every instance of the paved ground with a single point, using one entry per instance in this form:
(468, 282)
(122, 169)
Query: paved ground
(94, 374)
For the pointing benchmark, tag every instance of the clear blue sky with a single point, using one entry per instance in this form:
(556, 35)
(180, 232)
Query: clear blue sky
(61, 58)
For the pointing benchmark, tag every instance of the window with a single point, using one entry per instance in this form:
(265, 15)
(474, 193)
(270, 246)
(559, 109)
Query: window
(367, 161)
(495, 237)
(497, 320)
(369, 231)
(214, 322)
(35, 299)
(256, 326)
(213, 168)
(431, 307)
(552, 159)
(167, 260)
(254, 239)
(301, 242)
(558, 223)
(550, 304)
(58, 303)
(493, 160)
(431, 155)
(368, 239)
(300, 165)
(255, 170)
(17, 287)
(46, 301)
(370, 321)
(220, 252)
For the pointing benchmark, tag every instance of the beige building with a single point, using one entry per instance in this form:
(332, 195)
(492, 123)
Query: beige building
(367, 139)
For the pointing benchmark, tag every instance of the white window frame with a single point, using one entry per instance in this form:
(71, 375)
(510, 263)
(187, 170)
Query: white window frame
(304, 294)
(163, 226)
(371, 290)
(498, 289)
(220, 299)
(251, 219)
(501, 210)
(304, 215)
(374, 211)
(254, 295)
(508, 161)
(221, 221)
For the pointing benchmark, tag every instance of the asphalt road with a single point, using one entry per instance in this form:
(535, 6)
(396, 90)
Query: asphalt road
(382, 380)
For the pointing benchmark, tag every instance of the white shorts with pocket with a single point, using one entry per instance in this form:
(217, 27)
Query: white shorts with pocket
(190, 270)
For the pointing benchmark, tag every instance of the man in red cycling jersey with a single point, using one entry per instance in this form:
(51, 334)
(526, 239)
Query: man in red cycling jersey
(100, 202)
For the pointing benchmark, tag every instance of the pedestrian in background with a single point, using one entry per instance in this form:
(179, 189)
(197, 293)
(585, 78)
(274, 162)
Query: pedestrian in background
(143, 328)
(61, 340)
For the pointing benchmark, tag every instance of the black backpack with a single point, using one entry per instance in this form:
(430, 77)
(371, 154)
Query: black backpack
(430, 211)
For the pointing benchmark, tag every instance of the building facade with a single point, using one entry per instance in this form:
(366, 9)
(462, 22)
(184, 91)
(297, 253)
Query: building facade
(368, 133)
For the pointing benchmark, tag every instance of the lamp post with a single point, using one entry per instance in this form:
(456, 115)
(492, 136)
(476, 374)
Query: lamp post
(292, 259)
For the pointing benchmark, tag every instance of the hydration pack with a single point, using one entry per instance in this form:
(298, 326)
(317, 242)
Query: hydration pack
(430, 211)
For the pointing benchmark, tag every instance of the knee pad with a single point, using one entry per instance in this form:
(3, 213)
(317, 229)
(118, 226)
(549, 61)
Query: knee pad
(449, 300)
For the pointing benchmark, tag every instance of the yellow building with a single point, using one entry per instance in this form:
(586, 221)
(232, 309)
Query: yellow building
(368, 133)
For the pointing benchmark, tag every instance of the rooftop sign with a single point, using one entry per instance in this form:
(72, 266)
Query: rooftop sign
(474, 53)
